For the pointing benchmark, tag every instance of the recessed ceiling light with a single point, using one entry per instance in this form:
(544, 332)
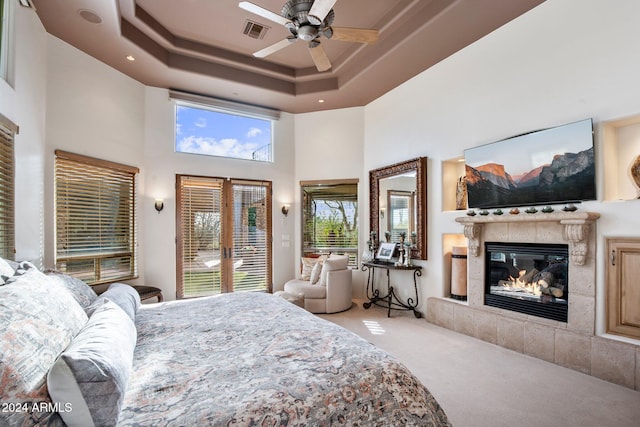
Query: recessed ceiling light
(90, 16)
(131, 58)
(320, 101)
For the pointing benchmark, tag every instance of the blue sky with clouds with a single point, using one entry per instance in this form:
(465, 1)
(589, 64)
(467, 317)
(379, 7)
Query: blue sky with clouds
(214, 133)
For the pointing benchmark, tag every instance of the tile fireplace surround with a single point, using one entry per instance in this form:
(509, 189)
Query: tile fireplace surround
(573, 344)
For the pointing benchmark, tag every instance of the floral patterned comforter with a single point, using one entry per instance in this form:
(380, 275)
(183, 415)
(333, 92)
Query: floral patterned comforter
(253, 359)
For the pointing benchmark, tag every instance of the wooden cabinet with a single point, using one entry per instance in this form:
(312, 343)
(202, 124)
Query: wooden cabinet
(623, 287)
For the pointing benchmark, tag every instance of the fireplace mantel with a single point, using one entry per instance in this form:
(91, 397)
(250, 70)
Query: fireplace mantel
(576, 228)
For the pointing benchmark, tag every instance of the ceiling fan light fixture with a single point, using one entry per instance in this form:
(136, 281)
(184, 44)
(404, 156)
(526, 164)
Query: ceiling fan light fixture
(307, 20)
(307, 33)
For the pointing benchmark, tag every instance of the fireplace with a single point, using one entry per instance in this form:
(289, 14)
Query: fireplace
(529, 278)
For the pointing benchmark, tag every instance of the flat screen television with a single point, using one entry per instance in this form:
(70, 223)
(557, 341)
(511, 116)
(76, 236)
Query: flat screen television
(548, 166)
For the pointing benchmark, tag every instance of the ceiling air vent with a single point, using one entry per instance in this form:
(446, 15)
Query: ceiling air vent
(255, 30)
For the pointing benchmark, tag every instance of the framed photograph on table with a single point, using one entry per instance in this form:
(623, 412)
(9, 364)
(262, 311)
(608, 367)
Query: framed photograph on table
(386, 251)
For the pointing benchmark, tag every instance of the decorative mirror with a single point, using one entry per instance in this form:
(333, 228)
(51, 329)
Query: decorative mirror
(398, 204)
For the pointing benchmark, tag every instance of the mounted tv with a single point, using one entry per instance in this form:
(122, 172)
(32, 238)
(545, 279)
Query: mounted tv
(548, 166)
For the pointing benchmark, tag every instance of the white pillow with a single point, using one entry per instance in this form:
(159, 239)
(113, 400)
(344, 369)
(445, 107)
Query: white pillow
(93, 372)
(125, 296)
(307, 267)
(334, 262)
(5, 269)
(315, 273)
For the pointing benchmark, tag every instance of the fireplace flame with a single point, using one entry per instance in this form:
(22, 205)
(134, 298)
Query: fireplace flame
(533, 282)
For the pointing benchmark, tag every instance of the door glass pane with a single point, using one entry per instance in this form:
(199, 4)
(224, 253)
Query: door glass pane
(200, 211)
(251, 235)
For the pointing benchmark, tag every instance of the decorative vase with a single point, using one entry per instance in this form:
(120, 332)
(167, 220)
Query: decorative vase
(461, 193)
(635, 172)
(407, 255)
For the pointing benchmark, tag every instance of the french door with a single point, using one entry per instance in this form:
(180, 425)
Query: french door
(223, 235)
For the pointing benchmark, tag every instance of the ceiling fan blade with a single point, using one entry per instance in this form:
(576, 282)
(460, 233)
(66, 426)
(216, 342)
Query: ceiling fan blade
(274, 48)
(354, 35)
(320, 57)
(260, 11)
(319, 11)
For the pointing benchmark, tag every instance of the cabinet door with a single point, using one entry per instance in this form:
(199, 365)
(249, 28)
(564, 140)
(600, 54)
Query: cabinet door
(623, 287)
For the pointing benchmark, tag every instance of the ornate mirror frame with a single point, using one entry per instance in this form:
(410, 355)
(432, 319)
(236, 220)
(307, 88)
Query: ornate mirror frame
(419, 165)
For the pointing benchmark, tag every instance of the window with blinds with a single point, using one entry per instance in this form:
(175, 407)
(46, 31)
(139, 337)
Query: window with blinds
(7, 189)
(224, 236)
(95, 218)
(330, 218)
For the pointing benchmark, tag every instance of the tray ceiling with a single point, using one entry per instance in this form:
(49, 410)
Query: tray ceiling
(200, 46)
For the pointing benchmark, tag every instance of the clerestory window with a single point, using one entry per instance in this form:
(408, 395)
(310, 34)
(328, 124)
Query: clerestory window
(214, 127)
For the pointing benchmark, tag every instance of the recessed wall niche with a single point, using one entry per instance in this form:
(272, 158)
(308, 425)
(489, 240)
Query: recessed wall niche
(620, 147)
(452, 170)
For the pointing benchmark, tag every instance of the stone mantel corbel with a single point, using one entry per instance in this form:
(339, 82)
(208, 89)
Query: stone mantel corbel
(576, 229)
(472, 233)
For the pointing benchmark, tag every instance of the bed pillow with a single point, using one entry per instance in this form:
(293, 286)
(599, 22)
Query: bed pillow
(6, 270)
(125, 296)
(18, 270)
(334, 262)
(93, 372)
(83, 293)
(38, 320)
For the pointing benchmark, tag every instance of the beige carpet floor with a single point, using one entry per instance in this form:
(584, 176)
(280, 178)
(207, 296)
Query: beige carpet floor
(480, 384)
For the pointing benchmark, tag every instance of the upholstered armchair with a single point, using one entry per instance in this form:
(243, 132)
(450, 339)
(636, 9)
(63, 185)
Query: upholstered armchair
(328, 288)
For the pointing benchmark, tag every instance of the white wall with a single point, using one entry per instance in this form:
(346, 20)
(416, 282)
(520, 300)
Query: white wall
(161, 166)
(563, 61)
(328, 145)
(22, 100)
(91, 110)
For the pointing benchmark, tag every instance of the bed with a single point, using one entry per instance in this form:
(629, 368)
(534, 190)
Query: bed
(245, 359)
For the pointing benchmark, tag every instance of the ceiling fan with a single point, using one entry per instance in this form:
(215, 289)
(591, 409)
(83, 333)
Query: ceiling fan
(307, 20)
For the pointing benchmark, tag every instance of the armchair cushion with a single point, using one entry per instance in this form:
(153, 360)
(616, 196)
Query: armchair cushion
(307, 266)
(297, 286)
(334, 262)
(315, 273)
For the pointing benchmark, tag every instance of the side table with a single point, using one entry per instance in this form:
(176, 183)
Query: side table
(390, 301)
(147, 292)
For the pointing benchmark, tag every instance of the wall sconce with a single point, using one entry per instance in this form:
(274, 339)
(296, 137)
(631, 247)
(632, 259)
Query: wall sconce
(285, 210)
(159, 205)
(382, 213)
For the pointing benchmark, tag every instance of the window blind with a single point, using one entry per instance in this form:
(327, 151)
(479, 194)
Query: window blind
(199, 236)
(95, 218)
(7, 189)
(330, 218)
(251, 237)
